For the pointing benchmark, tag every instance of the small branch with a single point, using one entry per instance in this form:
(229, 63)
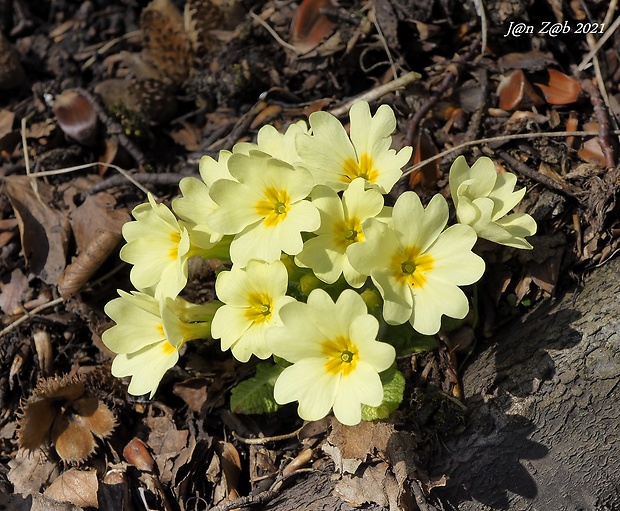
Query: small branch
(608, 33)
(376, 93)
(29, 314)
(526, 171)
(437, 93)
(267, 439)
(500, 139)
(608, 145)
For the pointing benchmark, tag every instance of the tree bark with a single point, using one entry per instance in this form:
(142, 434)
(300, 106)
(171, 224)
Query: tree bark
(543, 431)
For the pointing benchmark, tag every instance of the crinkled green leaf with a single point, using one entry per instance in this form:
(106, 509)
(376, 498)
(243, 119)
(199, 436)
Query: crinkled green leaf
(393, 390)
(255, 395)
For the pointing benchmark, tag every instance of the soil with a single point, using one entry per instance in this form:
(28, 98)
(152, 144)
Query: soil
(107, 100)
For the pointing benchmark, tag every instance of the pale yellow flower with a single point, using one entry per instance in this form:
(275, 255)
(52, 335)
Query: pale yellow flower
(341, 227)
(253, 297)
(265, 209)
(159, 247)
(483, 198)
(149, 333)
(416, 265)
(335, 159)
(335, 355)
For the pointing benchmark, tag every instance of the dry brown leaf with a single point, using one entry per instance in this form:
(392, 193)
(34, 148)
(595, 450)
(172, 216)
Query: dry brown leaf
(193, 391)
(188, 136)
(559, 89)
(350, 446)
(425, 176)
(97, 231)
(6, 122)
(30, 471)
(11, 71)
(516, 91)
(78, 487)
(12, 292)
(230, 461)
(376, 485)
(44, 231)
(309, 26)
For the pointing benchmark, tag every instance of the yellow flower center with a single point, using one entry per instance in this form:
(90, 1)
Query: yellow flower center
(175, 238)
(260, 308)
(348, 232)
(410, 267)
(365, 168)
(167, 348)
(342, 355)
(274, 206)
(160, 329)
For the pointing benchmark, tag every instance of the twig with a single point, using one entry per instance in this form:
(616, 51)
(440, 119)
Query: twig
(274, 34)
(523, 169)
(267, 439)
(608, 33)
(29, 314)
(421, 112)
(160, 179)
(608, 145)
(384, 44)
(483, 25)
(259, 498)
(500, 139)
(376, 93)
(124, 173)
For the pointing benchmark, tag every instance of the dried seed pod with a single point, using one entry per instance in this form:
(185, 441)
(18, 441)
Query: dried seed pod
(559, 89)
(61, 411)
(515, 90)
(76, 116)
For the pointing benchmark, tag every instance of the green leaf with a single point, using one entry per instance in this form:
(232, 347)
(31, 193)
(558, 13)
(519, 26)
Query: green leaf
(255, 395)
(393, 390)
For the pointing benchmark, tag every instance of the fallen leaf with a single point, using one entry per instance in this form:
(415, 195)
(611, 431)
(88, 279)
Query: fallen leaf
(309, 27)
(188, 136)
(375, 485)
(29, 471)
(78, 487)
(427, 175)
(12, 292)
(6, 122)
(193, 391)
(515, 90)
(558, 88)
(44, 231)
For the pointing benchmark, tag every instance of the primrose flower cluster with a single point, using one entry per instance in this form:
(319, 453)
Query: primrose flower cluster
(301, 218)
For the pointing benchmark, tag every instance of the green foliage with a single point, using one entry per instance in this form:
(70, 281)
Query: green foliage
(393, 389)
(255, 395)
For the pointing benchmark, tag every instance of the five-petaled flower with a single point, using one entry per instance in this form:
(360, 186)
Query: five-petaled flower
(253, 297)
(341, 227)
(416, 265)
(149, 333)
(265, 208)
(159, 247)
(335, 159)
(483, 198)
(335, 355)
